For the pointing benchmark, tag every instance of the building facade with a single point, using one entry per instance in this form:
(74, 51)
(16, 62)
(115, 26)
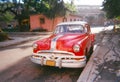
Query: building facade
(41, 21)
(92, 14)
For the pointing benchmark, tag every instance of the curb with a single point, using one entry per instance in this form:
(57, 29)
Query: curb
(14, 42)
(22, 40)
(85, 75)
(30, 33)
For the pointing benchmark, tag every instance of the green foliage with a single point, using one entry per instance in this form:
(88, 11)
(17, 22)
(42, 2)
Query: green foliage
(3, 36)
(54, 9)
(70, 7)
(118, 18)
(11, 29)
(51, 8)
(39, 30)
(112, 8)
(6, 17)
(21, 11)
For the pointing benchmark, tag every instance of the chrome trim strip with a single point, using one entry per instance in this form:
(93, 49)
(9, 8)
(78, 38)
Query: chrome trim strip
(59, 57)
(54, 42)
(83, 39)
(55, 51)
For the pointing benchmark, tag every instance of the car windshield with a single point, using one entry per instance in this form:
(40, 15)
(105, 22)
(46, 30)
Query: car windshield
(70, 29)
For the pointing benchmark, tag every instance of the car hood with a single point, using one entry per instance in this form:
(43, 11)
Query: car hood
(63, 42)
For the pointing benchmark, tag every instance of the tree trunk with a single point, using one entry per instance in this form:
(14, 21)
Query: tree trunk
(114, 27)
(53, 20)
(19, 25)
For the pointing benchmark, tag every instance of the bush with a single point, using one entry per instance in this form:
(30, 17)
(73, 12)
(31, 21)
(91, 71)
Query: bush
(11, 29)
(39, 30)
(25, 28)
(3, 36)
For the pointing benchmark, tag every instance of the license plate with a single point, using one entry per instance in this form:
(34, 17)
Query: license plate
(50, 63)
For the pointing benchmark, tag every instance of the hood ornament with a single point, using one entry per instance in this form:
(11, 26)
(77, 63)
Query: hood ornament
(52, 57)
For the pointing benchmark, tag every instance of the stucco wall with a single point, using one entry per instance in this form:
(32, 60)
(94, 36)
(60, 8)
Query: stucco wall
(49, 24)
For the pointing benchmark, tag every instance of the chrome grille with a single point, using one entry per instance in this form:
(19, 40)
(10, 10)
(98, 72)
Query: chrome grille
(56, 53)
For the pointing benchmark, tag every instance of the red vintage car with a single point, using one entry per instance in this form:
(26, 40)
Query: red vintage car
(68, 46)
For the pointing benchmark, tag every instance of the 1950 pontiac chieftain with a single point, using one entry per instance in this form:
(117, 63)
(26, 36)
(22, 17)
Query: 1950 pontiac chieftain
(68, 46)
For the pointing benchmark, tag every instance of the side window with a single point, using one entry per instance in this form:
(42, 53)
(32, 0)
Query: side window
(86, 30)
(57, 30)
(61, 29)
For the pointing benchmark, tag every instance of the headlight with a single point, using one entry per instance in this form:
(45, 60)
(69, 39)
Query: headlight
(76, 48)
(35, 46)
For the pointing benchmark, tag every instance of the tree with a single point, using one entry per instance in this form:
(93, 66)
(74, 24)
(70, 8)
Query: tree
(112, 8)
(55, 8)
(70, 6)
(6, 17)
(22, 9)
(11, 6)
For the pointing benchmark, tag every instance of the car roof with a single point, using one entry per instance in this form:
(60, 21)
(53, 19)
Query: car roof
(73, 22)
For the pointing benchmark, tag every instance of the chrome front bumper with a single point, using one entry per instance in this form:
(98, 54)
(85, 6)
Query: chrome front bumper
(59, 59)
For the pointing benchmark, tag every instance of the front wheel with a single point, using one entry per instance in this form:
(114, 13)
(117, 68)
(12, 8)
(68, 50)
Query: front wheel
(91, 50)
(88, 55)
